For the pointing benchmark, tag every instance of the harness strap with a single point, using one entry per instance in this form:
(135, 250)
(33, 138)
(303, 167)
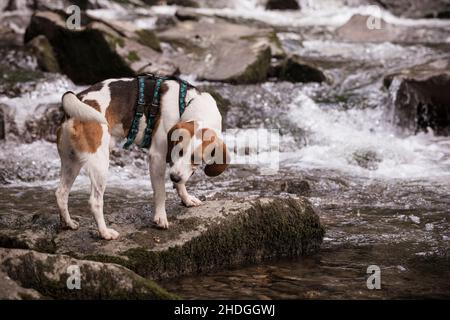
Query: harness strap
(153, 112)
(140, 108)
(182, 96)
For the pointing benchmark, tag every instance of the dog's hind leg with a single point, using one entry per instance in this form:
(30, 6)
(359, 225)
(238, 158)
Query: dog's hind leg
(69, 172)
(70, 167)
(98, 164)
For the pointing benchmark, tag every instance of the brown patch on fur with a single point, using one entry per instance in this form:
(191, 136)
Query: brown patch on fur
(93, 103)
(189, 126)
(211, 145)
(121, 107)
(164, 88)
(86, 136)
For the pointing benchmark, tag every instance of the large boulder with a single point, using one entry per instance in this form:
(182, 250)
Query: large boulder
(97, 50)
(216, 50)
(360, 29)
(220, 234)
(43, 123)
(420, 97)
(364, 28)
(417, 8)
(48, 276)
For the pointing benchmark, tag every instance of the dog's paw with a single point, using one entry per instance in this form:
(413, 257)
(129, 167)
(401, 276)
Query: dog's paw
(191, 201)
(161, 222)
(109, 234)
(72, 225)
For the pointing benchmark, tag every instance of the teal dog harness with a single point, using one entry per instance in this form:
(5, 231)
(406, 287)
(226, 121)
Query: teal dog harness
(152, 110)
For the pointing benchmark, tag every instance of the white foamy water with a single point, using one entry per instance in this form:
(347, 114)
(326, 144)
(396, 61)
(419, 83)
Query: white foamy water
(45, 92)
(336, 139)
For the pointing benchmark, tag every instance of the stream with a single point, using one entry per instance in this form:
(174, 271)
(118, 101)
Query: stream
(382, 194)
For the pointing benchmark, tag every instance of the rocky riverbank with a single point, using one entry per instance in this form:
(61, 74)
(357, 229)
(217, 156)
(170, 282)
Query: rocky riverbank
(363, 117)
(221, 234)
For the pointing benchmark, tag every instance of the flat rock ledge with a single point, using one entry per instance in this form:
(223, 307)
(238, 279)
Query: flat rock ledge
(219, 234)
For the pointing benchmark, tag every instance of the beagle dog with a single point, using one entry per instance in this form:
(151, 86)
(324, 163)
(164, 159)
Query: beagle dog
(101, 115)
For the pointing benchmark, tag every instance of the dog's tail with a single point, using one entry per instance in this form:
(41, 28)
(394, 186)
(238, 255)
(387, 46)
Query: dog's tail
(77, 109)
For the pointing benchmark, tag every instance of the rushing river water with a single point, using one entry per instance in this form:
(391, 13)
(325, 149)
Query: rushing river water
(383, 195)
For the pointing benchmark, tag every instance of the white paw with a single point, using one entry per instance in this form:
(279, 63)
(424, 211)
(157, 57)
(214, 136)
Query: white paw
(109, 234)
(161, 221)
(71, 224)
(191, 201)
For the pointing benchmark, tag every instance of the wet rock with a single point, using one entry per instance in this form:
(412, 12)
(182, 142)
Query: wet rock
(282, 5)
(420, 98)
(183, 14)
(99, 51)
(294, 69)
(183, 3)
(208, 49)
(301, 188)
(417, 8)
(367, 159)
(2, 124)
(43, 124)
(8, 127)
(11, 290)
(48, 275)
(362, 28)
(217, 235)
(42, 49)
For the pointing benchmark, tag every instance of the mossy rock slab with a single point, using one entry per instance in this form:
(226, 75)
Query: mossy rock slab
(219, 234)
(216, 50)
(47, 276)
(99, 50)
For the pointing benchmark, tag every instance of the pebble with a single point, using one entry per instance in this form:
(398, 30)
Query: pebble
(414, 219)
(429, 227)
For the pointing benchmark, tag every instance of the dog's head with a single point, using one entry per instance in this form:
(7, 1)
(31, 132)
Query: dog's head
(189, 146)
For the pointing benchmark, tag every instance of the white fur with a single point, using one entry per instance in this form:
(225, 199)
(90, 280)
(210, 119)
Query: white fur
(80, 110)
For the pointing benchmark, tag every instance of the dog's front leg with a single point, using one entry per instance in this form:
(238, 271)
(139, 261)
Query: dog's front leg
(186, 198)
(157, 176)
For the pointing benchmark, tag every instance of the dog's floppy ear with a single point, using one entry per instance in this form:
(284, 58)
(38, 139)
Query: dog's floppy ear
(215, 155)
(174, 139)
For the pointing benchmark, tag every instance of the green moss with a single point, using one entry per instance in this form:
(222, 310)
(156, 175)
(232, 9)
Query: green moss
(149, 39)
(43, 51)
(12, 76)
(133, 56)
(281, 228)
(115, 41)
(256, 72)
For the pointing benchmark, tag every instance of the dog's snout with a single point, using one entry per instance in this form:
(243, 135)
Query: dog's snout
(175, 178)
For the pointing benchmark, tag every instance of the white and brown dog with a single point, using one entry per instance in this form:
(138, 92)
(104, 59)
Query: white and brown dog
(103, 114)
